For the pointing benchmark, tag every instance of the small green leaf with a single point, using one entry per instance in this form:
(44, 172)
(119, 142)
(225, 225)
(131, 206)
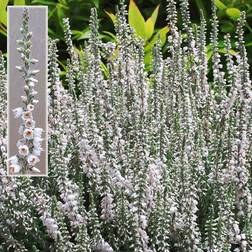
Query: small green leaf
(233, 13)
(112, 16)
(227, 26)
(46, 2)
(111, 35)
(136, 19)
(149, 28)
(201, 6)
(148, 58)
(104, 70)
(154, 14)
(79, 35)
(248, 44)
(3, 12)
(224, 51)
(19, 2)
(62, 65)
(96, 3)
(3, 32)
(220, 5)
(209, 55)
(160, 34)
(150, 23)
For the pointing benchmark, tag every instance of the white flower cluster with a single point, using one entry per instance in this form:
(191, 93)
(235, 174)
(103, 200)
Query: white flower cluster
(29, 146)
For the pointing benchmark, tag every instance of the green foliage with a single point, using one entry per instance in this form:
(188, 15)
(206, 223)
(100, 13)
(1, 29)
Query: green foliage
(145, 29)
(3, 16)
(146, 17)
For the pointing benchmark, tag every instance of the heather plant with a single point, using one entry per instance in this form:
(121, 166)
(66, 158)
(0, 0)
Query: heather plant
(141, 161)
(29, 145)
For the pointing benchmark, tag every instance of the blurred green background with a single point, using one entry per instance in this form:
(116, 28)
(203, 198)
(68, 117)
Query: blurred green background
(79, 10)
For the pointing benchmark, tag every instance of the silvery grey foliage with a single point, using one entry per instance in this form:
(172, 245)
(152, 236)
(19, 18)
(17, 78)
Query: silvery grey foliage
(141, 161)
(29, 145)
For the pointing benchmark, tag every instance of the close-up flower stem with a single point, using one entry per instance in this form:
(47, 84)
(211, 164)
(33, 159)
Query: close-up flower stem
(29, 144)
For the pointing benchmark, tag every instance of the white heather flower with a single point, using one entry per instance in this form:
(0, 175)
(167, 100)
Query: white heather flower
(26, 88)
(37, 151)
(37, 142)
(14, 168)
(30, 107)
(28, 133)
(17, 112)
(33, 80)
(3, 149)
(31, 84)
(29, 123)
(236, 228)
(36, 170)
(21, 130)
(32, 159)
(35, 101)
(34, 71)
(27, 115)
(103, 246)
(244, 244)
(20, 142)
(13, 160)
(34, 93)
(34, 61)
(19, 68)
(23, 150)
(38, 132)
(24, 98)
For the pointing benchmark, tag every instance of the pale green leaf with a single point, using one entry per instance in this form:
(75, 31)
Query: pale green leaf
(224, 51)
(209, 55)
(19, 2)
(161, 34)
(104, 70)
(96, 3)
(148, 58)
(227, 26)
(3, 32)
(248, 44)
(3, 12)
(201, 6)
(233, 13)
(112, 16)
(136, 20)
(110, 34)
(149, 28)
(154, 14)
(150, 24)
(220, 5)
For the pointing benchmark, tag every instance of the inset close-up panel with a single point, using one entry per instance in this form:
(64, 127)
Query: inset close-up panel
(27, 91)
